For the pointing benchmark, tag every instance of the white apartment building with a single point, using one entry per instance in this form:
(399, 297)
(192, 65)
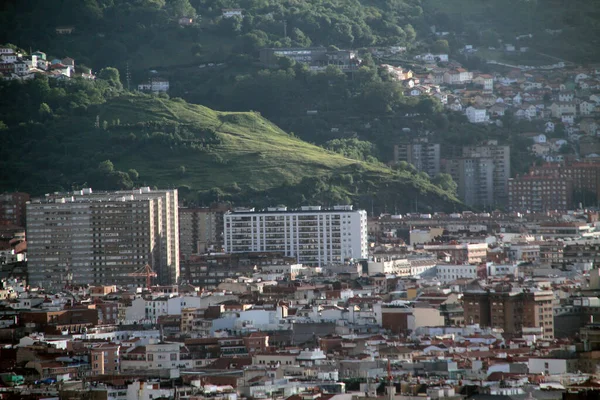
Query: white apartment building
(449, 273)
(100, 238)
(313, 235)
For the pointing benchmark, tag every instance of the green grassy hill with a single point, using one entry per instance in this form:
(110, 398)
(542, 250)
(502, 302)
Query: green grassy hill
(251, 151)
(209, 155)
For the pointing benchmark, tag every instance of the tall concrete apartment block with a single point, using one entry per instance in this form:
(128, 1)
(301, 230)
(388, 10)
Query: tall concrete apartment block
(511, 310)
(199, 230)
(500, 156)
(475, 180)
(423, 155)
(100, 238)
(314, 236)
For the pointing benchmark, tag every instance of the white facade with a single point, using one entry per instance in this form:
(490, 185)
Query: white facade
(548, 366)
(399, 267)
(233, 12)
(449, 273)
(312, 235)
(476, 115)
(159, 85)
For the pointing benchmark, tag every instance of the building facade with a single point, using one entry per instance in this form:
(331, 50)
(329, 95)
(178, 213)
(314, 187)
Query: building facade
(511, 310)
(424, 156)
(459, 253)
(200, 229)
(584, 176)
(539, 193)
(312, 235)
(101, 238)
(500, 156)
(475, 180)
(12, 208)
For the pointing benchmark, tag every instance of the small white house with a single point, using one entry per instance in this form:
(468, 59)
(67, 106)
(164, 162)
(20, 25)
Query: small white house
(160, 85)
(476, 115)
(232, 12)
(568, 118)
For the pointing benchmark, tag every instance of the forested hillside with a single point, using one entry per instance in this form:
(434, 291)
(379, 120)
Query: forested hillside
(146, 32)
(568, 29)
(71, 129)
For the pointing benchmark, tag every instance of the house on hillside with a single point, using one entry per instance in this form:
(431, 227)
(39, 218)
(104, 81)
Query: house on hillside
(454, 104)
(539, 138)
(442, 97)
(155, 85)
(586, 107)
(21, 67)
(526, 111)
(568, 118)
(69, 62)
(484, 100)
(232, 12)
(589, 126)
(595, 98)
(432, 57)
(458, 76)
(498, 109)
(560, 108)
(476, 115)
(64, 30)
(39, 54)
(540, 149)
(62, 69)
(7, 68)
(566, 96)
(8, 58)
(484, 80)
(397, 72)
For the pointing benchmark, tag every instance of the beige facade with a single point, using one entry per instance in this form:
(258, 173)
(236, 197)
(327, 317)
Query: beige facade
(470, 253)
(100, 238)
(199, 229)
(105, 359)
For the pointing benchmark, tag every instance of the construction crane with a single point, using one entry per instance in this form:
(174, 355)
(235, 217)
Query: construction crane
(147, 272)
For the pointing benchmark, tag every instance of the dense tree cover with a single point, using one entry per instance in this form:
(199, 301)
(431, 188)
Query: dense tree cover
(353, 148)
(121, 31)
(573, 25)
(317, 106)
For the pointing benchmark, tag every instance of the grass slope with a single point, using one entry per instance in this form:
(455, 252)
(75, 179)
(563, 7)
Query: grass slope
(251, 152)
(255, 153)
